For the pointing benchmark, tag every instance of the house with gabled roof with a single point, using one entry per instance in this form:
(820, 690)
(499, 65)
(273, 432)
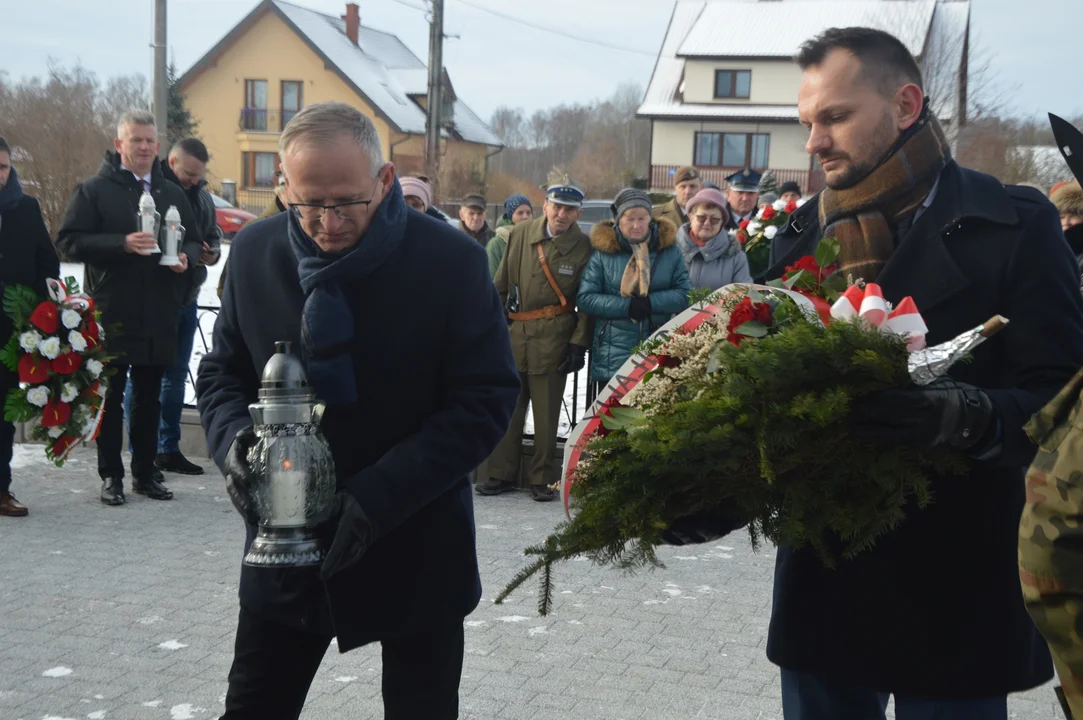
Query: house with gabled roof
(723, 94)
(282, 57)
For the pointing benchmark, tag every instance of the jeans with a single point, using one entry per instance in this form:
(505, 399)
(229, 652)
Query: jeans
(806, 696)
(143, 426)
(173, 382)
(273, 667)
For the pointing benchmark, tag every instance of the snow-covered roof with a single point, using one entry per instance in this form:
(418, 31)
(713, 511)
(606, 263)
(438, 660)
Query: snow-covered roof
(380, 67)
(735, 29)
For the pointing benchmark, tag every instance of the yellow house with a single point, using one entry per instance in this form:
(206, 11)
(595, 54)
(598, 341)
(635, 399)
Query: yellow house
(281, 57)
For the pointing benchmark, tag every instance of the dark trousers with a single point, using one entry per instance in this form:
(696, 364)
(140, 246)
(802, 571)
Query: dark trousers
(805, 696)
(146, 413)
(7, 430)
(273, 667)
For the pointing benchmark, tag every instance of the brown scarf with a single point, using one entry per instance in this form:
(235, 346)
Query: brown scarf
(862, 216)
(637, 273)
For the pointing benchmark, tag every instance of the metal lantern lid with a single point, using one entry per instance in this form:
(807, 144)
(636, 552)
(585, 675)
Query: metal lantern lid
(284, 378)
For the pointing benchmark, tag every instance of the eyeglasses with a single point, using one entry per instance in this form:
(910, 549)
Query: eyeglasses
(311, 211)
(708, 220)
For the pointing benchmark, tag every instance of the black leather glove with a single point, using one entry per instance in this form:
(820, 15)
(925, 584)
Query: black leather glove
(944, 412)
(639, 308)
(240, 475)
(704, 527)
(352, 535)
(574, 360)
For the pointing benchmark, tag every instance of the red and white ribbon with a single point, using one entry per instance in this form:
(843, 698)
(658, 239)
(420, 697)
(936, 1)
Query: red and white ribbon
(59, 294)
(870, 306)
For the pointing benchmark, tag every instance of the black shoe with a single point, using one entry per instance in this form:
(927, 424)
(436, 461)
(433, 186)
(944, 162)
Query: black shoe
(177, 463)
(492, 486)
(542, 493)
(112, 491)
(151, 488)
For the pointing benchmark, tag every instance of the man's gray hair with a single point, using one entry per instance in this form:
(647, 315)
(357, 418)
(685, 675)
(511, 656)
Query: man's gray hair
(329, 121)
(136, 116)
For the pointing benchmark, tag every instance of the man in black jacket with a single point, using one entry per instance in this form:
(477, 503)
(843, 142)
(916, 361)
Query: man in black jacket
(933, 613)
(185, 166)
(412, 408)
(27, 258)
(139, 299)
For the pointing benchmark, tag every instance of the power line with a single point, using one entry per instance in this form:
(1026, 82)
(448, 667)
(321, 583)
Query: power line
(411, 6)
(554, 31)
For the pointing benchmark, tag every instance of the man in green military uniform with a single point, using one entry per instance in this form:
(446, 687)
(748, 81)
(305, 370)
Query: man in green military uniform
(686, 183)
(538, 280)
(1051, 528)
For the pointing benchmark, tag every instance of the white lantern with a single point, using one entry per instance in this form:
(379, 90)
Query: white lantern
(149, 220)
(174, 236)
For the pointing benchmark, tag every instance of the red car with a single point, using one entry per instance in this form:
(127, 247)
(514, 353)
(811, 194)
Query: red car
(230, 218)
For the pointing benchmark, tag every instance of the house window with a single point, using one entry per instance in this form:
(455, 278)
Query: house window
(291, 100)
(732, 150)
(259, 168)
(732, 83)
(254, 116)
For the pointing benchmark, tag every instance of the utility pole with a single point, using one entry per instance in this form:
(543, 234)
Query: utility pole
(161, 79)
(436, 65)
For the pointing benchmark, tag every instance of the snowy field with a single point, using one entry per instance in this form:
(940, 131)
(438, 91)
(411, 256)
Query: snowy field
(208, 299)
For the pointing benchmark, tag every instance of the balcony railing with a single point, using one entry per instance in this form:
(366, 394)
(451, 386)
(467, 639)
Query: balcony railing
(810, 182)
(264, 119)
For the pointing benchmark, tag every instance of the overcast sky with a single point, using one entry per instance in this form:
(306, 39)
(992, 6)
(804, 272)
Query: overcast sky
(496, 61)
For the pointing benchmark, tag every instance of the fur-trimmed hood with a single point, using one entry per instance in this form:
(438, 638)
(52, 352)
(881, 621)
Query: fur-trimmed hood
(603, 236)
(1069, 199)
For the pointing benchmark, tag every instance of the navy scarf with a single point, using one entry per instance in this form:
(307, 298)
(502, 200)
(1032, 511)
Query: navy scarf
(11, 193)
(327, 323)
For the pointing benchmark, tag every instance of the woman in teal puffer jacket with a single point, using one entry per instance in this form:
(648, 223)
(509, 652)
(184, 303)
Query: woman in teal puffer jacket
(635, 281)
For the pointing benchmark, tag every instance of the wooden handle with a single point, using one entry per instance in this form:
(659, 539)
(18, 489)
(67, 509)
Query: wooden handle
(993, 325)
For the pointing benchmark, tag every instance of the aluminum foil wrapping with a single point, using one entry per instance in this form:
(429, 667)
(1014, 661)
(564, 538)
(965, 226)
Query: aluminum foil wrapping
(927, 365)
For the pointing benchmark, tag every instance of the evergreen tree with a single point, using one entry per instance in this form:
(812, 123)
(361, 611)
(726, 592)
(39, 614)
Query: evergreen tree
(768, 183)
(181, 124)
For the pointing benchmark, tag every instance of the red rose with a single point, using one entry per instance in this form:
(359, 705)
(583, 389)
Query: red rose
(55, 413)
(791, 207)
(747, 311)
(46, 317)
(91, 334)
(33, 369)
(62, 444)
(67, 363)
(668, 361)
(742, 236)
(744, 224)
(808, 264)
(768, 212)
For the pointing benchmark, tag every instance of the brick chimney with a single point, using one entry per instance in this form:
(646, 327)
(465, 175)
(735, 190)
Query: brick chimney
(353, 21)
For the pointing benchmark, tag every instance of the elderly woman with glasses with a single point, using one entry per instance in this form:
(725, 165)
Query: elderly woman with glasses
(712, 257)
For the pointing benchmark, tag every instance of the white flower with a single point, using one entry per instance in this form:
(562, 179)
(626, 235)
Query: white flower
(50, 347)
(29, 340)
(77, 341)
(68, 392)
(95, 367)
(779, 206)
(801, 202)
(754, 227)
(38, 396)
(70, 319)
(759, 215)
(101, 333)
(55, 432)
(770, 232)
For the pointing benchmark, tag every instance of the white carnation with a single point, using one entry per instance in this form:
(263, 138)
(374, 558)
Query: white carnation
(29, 340)
(754, 227)
(38, 396)
(68, 393)
(50, 347)
(77, 341)
(94, 367)
(801, 202)
(759, 215)
(779, 206)
(70, 319)
(55, 432)
(770, 232)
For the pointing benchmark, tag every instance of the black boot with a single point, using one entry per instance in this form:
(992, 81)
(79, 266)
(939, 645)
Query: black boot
(542, 493)
(151, 488)
(112, 491)
(177, 463)
(492, 486)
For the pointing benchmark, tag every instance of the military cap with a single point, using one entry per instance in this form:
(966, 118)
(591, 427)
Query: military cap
(747, 180)
(565, 195)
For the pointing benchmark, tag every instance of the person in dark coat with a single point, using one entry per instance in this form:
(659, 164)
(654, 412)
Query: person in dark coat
(933, 613)
(139, 299)
(742, 197)
(472, 219)
(27, 258)
(418, 392)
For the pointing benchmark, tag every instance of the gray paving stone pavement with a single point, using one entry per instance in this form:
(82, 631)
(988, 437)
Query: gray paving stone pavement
(128, 614)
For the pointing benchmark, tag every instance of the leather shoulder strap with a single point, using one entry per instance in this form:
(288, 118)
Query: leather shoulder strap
(549, 275)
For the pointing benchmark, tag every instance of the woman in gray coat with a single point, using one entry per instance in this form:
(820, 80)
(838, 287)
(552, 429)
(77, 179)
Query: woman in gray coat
(713, 258)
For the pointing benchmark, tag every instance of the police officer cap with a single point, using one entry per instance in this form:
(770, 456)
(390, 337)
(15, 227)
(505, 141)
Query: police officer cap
(565, 195)
(747, 180)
